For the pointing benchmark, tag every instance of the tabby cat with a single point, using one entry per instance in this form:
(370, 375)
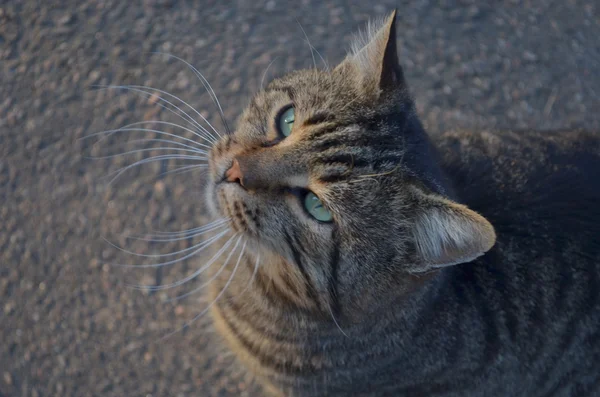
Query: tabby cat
(380, 262)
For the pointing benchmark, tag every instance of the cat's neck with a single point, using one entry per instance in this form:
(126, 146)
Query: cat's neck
(283, 343)
(260, 294)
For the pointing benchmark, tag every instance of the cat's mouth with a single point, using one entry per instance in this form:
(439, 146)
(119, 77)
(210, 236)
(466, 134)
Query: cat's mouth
(231, 203)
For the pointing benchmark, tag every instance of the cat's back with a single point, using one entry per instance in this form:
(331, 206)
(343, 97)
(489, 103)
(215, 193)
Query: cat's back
(545, 185)
(539, 287)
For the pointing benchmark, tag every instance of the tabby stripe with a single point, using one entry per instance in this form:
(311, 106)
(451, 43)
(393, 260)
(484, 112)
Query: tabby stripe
(272, 291)
(382, 159)
(491, 319)
(285, 277)
(326, 143)
(287, 89)
(585, 306)
(332, 279)
(269, 361)
(333, 178)
(319, 117)
(456, 387)
(248, 321)
(502, 285)
(326, 129)
(468, 292)
(564, 381)
(351, 160)
(595, 384)
(298, 260)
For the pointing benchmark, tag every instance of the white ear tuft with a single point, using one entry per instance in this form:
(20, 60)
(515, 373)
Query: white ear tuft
(367, 43)
(449, 233)
(374, 56)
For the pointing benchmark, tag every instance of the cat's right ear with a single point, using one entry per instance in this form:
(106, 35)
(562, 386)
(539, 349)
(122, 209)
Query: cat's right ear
(373, 62)
(448, 233)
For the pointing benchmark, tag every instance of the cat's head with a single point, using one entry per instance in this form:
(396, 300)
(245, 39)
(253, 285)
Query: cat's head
(332, 172)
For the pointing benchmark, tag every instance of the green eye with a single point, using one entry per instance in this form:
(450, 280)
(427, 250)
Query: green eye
(286, 122)
(314, 207)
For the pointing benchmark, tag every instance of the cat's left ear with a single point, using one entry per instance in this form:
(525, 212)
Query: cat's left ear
(448, 233)
(373, 61)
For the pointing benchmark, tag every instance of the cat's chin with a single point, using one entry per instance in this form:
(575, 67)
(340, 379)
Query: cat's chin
(231, 201)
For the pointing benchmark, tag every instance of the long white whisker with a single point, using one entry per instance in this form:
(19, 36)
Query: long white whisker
(207, 282)
(207, 308)
(142, 88)
(193, 275)
(312, 54)
(168, 240)
(185, 169)
(119, 172)
(193, 247)
(335, 321)
(187, 117)
(162, 140)
(265, 73)
(207, 87)
(203, 245)
(148, 150)
(252, 276)
(319, 54)
(192, 230)
(169, 141)
(126, 129)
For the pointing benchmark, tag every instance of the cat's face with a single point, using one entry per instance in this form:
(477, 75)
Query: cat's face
(331, 171)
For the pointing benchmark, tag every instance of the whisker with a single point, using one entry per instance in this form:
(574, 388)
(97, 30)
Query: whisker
(207, 282)
(169, 141)
(126, 129)
(146, 150)
(120, 171)
(170, 239)
(202, 246)
(335, 321)
(192, 230)
(142, 88)
(193, 247)
(265, 73)
(321, 57)
(167, 239)
(185, 169)
(309, 45)
(194, 274)
(187, 117)
(207, 87)
(253, 276)
(207, 308)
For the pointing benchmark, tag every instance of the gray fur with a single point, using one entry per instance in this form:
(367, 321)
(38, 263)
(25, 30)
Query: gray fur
(394, 298)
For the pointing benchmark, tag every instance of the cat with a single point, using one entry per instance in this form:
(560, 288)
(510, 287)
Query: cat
(381, 262)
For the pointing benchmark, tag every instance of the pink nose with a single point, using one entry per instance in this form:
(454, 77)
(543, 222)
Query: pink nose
(234, 174)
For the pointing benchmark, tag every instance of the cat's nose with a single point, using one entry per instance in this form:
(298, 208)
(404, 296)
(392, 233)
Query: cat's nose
(234, 173)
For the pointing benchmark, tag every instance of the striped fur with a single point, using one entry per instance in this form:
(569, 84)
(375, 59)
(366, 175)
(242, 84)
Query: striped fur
(388, 299)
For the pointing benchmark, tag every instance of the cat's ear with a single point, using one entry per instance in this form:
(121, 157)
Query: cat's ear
(374, 57)
(447, 233)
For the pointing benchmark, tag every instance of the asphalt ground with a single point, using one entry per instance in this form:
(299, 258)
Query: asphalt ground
(69, 323)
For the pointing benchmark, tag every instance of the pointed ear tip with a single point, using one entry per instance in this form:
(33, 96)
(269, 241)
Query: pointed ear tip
(391, 19)
(491, 236)
(487, 233)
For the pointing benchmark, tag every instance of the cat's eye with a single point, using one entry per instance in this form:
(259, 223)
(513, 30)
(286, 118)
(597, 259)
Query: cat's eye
(285, 121)
(315, 208)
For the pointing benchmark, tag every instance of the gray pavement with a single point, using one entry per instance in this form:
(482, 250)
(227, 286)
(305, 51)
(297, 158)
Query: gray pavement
(69, 323)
